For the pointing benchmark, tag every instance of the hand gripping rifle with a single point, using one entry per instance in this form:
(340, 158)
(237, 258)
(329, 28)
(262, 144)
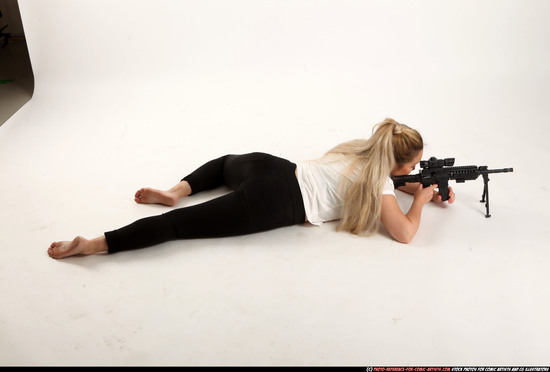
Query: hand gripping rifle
(440, 171)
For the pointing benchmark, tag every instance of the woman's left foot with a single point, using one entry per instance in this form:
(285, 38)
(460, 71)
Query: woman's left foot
(153, 196)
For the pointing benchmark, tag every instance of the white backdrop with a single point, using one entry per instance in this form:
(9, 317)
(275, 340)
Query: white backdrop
(135, 93)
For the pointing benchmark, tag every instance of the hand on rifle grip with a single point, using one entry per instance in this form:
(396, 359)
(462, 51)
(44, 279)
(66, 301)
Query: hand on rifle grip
(439, 198)
(424, 194)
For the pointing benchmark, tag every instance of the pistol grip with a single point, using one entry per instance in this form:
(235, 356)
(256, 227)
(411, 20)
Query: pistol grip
(443, 186)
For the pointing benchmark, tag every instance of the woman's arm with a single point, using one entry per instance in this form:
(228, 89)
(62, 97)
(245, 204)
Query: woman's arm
(402, 227)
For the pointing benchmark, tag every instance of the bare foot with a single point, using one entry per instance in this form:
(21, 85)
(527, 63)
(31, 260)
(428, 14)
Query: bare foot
(153, 196)
(79, 245)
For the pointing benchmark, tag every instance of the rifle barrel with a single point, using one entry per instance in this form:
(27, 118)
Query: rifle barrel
(501, 170)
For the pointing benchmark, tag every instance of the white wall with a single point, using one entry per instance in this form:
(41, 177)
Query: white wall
(309, 64)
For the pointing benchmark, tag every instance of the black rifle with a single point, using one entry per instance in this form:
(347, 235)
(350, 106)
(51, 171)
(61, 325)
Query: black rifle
(440, 171)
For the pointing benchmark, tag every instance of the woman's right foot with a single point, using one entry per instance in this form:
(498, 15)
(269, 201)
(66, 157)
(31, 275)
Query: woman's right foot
(152, 196)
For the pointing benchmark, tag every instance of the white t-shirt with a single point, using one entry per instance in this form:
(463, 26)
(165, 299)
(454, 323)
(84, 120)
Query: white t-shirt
(319, 182)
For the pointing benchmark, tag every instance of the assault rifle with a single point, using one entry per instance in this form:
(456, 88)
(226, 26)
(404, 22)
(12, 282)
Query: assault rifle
(440, 171)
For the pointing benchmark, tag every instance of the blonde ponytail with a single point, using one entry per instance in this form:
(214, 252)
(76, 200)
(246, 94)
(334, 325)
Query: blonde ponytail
(391, 143)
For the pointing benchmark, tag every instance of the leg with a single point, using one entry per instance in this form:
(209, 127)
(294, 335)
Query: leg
(260, 203)
(142, 233)
(227, 215)
(223, 216)
(206, 177)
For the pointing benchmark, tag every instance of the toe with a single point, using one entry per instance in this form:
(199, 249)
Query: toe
(137, 196)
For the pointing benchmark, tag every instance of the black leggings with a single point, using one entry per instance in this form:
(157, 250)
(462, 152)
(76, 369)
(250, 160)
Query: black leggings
(265, 196)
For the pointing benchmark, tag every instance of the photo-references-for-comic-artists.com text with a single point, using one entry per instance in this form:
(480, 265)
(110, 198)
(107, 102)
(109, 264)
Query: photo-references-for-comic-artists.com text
(458, 369)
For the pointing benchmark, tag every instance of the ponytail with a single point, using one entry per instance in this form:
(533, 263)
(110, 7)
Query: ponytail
(391, 144)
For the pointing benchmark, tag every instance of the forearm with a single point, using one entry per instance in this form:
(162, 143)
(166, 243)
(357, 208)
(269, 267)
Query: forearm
(403, 227)
(414, 215)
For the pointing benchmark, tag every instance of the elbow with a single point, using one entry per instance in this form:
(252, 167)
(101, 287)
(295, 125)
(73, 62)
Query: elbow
(400, 227)
(404, 237)
(401, 233)
(406, 232)
(404, 240)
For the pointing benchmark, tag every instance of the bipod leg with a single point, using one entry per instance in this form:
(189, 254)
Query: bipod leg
(485, 196)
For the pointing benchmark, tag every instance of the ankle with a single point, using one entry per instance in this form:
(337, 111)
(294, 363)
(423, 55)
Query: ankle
(181, 190)
(97, 245)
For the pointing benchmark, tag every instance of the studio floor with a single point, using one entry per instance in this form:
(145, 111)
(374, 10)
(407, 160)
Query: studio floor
(130, 94)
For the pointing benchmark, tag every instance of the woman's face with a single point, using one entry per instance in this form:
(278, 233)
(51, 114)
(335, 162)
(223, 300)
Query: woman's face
(407, 167)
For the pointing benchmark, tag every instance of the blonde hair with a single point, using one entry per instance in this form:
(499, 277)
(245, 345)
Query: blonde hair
(391, 144)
